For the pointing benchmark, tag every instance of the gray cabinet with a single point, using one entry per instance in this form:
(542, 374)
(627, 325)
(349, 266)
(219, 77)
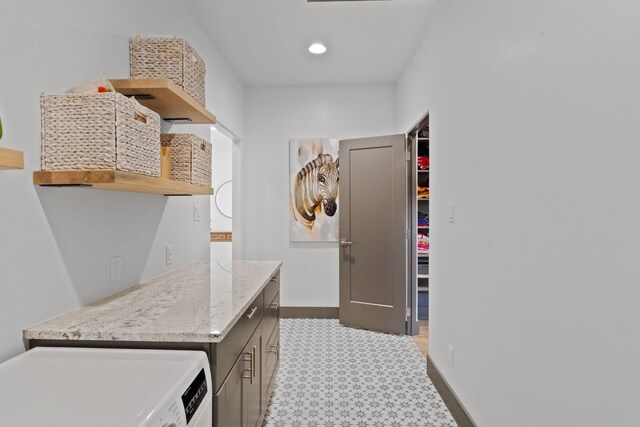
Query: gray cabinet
(271, 353)
(243, 396)
(271, 347)
(227, 402)
(240, 401)
(251, 381)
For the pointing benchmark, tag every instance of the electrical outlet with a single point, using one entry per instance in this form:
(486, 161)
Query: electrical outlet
(196, 212)
(116, 269)
(452, 212)
(169, 254)
(451, 360)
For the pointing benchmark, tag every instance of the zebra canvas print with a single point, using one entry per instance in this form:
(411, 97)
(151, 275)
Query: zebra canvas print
(313, 184)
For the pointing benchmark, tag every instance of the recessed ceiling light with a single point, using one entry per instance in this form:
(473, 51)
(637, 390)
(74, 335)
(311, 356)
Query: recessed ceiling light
(317, 48)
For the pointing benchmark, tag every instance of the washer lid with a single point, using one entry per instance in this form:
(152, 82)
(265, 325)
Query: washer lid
(76, 387)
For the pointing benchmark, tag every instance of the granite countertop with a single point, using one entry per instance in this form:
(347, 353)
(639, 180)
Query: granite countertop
(199, 302)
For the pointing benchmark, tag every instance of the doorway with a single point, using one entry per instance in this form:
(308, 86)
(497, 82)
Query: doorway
(384, 233)
(221, 223)
(418, 140)
(373, 233)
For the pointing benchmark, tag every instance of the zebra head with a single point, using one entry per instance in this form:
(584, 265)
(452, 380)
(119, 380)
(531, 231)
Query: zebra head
(328, 181)
(316, 186)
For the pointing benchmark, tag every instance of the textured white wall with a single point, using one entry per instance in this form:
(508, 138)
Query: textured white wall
(275, 115)
(534, 124)
(55, 244)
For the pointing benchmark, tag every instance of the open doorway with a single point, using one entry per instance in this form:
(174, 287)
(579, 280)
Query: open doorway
(221, 224)
(419, 142)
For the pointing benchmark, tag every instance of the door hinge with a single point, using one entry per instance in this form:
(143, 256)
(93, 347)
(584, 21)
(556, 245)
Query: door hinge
(407, 233)
(408, 155)
(407, 312)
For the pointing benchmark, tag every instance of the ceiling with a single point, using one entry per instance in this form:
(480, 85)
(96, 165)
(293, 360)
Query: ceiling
(266, 41)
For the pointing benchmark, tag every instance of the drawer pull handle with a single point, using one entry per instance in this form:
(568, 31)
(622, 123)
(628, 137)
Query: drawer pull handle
(274, 279)
(275, 306)
(253, 362)
(252, 366)
(252, 312)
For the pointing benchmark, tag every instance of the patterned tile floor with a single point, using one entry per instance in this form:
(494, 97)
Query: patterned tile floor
(333, 376)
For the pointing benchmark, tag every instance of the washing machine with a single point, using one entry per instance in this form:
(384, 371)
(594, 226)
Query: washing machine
(80, 387)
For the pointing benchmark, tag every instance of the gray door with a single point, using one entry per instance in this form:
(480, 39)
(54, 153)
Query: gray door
(373, 239)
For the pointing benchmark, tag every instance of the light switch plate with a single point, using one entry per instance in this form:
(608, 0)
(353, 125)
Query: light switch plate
(452, 212)
(169, 254)
(196, 213)
(116, 269)
(451, 359)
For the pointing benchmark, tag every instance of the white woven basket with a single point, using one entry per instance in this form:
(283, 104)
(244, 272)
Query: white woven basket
(171, 58)
(190, 158)
(99, 131)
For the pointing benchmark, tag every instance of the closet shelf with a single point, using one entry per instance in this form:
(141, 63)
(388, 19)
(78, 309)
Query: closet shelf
(11, 159)
(167, 99)
(118, 181)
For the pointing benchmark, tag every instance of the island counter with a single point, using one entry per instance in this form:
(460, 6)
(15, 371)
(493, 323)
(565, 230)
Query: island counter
(228, 310)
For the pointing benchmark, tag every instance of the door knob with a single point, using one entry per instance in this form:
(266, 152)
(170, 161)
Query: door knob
(344, 242)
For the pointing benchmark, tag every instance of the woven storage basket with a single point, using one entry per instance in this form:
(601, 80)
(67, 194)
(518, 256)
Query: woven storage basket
(190, 158)
(171, 58)
(99, 131)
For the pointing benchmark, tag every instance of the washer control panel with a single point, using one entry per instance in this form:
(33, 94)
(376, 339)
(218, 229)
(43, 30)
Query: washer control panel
(179, 411)
(194, 395)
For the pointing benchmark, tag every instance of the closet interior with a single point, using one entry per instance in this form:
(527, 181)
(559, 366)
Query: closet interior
(419, 144)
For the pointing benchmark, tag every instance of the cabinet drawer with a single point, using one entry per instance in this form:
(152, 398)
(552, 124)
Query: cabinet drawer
(272, 289)
(228, 351)
(271, 316)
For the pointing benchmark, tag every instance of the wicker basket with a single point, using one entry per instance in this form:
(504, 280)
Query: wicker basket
(99, 131)
(190, 158)
(171, 58)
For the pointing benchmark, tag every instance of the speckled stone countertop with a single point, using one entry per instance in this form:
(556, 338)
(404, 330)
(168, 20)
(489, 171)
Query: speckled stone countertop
(197, 303)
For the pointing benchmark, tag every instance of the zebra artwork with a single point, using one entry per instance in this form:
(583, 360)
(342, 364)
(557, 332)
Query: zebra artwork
(314, 198)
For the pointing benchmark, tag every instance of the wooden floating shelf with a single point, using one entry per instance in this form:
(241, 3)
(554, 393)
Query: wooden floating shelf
(167, 99)
(11, 159)
(119, 181)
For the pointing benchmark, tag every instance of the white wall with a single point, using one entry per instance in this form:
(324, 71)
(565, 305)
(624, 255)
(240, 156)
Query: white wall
(55, 244)
(534, 124)
(275, 115)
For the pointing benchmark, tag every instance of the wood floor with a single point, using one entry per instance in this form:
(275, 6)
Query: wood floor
(422, 340)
